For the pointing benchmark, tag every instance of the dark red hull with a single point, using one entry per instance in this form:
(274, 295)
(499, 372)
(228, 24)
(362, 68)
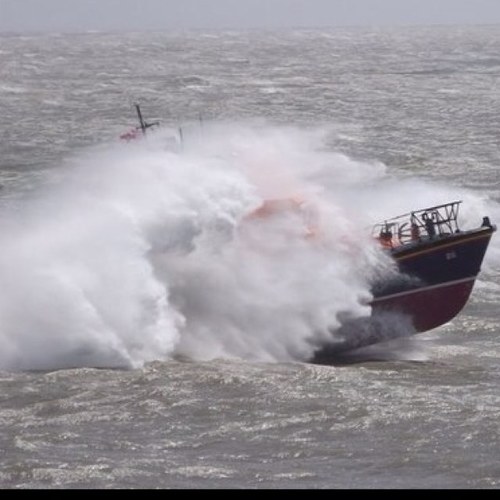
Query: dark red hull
(439, 275)
(428, 307)
(436, 277)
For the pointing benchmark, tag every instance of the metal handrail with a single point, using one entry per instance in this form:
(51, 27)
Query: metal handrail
(429, 222)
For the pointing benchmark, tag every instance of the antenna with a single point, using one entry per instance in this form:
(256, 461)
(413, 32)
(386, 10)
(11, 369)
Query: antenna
(181, 136)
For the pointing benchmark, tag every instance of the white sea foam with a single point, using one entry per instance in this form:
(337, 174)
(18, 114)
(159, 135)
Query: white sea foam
(144, 253)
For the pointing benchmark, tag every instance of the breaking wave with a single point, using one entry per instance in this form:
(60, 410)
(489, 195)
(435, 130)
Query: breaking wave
(157, 249)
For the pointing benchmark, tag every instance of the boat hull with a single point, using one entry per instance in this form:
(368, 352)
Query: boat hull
(434, 282)
(428, 306)
(446, 259)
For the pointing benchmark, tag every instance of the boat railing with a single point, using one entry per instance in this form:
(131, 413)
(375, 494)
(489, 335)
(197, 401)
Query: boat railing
(428, 223)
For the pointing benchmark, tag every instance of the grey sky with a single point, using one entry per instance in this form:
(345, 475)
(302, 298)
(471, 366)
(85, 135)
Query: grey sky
(71, 15)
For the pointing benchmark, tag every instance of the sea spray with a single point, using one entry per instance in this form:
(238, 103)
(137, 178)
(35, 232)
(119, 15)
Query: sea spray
(140, 252)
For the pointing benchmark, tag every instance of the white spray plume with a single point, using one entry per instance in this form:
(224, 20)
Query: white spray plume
(142, 253)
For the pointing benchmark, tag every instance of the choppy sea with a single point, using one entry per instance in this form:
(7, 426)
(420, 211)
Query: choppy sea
(153, 335)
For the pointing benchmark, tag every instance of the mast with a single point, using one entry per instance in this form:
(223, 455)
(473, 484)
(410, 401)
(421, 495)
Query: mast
(141, 119)
(144, 125)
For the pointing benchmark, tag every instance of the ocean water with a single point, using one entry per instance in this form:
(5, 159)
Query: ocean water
(155, 334)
